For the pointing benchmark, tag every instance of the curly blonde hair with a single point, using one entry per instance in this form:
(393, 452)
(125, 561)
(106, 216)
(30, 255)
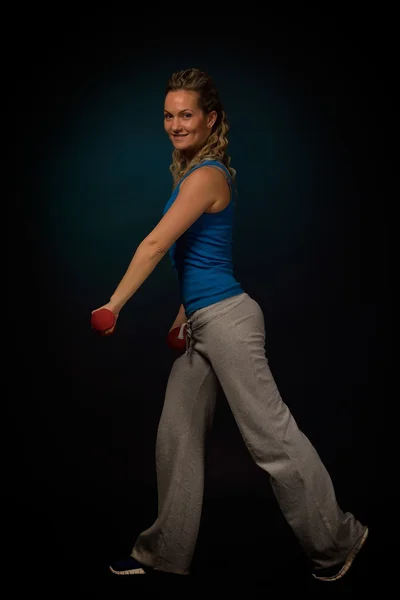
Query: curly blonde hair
(216, 145)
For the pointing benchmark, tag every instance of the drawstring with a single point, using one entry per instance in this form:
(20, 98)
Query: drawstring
(180, 334)
(189, 336)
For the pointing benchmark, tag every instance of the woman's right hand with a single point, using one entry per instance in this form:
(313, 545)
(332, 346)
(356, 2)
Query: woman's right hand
(176, 329)
(176, 338)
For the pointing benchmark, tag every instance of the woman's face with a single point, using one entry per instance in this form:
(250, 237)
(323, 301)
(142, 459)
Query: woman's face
(185, 123)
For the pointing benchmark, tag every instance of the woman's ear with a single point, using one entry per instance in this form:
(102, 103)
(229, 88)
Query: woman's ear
(211, 118)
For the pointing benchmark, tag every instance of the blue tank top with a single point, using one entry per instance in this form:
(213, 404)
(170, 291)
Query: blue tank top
(202, 256)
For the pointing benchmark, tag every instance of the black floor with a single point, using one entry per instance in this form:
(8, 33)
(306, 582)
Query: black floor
(75, 507)
(243, 544)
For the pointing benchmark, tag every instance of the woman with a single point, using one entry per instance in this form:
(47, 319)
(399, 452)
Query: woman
(225, 344)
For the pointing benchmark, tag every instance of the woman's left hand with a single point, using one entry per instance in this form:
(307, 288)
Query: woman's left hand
(115, 312)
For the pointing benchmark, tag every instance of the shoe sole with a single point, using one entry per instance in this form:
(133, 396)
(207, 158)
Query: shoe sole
(128, 572)
(349, 560)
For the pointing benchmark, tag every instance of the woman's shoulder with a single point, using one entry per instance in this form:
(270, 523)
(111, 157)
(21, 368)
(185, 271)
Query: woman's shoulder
(210, 166)
(207, 171)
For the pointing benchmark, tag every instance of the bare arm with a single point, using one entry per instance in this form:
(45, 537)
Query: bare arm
(144, 261)
(200, 191)
(180, 318)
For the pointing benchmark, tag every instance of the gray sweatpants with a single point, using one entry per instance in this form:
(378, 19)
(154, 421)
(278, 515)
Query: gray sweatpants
(226, 342)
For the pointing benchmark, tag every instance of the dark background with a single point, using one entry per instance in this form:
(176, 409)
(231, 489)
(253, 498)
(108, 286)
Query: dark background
(310, 103)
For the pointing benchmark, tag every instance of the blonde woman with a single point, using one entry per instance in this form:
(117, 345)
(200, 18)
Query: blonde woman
(225, 344)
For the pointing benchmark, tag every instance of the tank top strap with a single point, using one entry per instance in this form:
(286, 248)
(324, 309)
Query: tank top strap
(205, 163)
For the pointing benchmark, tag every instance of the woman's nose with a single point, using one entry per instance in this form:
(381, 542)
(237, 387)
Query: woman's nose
(176, 125)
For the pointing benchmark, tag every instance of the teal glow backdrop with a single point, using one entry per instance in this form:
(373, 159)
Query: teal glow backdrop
(92, 180)
(106, 179)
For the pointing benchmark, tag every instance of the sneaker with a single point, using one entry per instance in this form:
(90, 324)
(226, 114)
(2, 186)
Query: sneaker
(335, 573)
(128, 566)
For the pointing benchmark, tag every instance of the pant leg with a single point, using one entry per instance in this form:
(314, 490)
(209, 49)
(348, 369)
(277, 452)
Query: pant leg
(187, 416)
(235, 343)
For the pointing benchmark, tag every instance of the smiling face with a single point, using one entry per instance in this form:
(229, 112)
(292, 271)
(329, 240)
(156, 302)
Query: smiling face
(185, 123)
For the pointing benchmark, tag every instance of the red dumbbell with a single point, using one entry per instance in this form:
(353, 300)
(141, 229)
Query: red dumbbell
(102, 320)
(176, 338)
